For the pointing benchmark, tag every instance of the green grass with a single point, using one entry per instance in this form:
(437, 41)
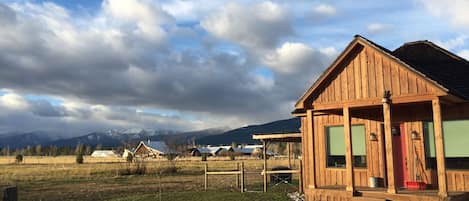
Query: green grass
(208, 196)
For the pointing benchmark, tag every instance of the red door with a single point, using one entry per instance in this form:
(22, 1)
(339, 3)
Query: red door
(399, 154)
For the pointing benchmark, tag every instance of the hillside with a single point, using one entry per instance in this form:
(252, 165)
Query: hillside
(244, 135)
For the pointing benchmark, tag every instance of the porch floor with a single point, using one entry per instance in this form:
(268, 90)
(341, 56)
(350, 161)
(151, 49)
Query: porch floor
(367, 193)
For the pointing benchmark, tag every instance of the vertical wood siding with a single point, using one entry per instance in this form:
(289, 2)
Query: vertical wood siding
(366, 74)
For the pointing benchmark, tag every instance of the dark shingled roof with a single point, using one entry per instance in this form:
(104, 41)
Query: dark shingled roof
(440, 65)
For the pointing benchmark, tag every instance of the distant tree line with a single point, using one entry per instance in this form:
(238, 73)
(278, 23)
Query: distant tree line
(39, 150)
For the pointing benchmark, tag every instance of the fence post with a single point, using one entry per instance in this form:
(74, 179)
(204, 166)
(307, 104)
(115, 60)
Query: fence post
(10, 193)
(300, 179)
(237, 175)
(242, 177)
(206, 176)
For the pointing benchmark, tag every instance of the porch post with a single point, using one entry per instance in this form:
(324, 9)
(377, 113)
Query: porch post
(311, 154)
(440, 148)
(289, 154)
(264, 156)
(388, 145)
(348, 150)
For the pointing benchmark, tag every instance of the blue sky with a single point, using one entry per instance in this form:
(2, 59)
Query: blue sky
(73, 67)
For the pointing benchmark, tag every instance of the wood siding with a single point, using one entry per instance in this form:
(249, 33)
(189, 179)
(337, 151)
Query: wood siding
(365, 74)
(412, 116)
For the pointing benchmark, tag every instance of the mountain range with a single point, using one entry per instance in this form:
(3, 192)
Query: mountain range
(117, 137)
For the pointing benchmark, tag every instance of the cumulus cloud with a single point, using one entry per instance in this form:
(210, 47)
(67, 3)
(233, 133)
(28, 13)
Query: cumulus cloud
(454, 10)
(378, 28)
(454, 42)
(20, 113)
(147, 17)
(130, 56)
(261, 25)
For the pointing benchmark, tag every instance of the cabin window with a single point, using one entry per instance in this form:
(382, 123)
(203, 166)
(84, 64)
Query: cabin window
(335, 145)
(456, 140)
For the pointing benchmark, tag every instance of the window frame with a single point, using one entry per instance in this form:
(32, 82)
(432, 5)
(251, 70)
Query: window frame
(326, 146)
(452, 163)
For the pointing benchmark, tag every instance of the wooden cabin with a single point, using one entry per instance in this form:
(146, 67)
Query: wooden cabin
(397, 117)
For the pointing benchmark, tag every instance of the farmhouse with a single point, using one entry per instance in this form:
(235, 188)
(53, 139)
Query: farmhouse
(153, 149)
(104, 154)
(395, 120)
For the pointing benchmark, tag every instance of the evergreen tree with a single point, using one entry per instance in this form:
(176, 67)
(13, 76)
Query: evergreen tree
(38, 150)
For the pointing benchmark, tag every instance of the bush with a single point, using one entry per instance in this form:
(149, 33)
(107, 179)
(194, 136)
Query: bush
(232, 157)
(171, 157)
(129, 158)
(19, 158)
(137, 168)
(79, 159)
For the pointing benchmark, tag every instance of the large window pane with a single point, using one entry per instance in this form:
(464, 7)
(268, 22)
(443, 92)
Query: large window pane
(335, 140)
(456, 140)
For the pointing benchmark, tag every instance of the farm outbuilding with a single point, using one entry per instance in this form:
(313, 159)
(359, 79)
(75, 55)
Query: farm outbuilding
(155, 149)
(104, 153)
(387, 125)
(210, 150)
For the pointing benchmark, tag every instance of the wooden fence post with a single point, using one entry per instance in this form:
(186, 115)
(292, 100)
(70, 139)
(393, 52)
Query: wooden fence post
(206, 176)
(300, 179)
(10, 193)
(242, 177)
(237, 175)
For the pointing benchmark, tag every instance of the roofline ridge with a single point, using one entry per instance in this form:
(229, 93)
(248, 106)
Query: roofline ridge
(436, 46)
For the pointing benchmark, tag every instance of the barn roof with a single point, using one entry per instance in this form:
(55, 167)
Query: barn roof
(437, 65)
(104, 153)
(158, 146)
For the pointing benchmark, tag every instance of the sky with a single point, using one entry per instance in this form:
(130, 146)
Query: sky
(72, 67)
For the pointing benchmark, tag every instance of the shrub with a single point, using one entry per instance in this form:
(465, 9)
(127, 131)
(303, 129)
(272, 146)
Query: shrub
(232, 157)
(19, 158)
(140, 168)
(171, 157)
(79, 158)
(137, 168)
(129, 158)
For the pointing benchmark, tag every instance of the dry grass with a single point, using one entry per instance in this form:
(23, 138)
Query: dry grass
(59, 178)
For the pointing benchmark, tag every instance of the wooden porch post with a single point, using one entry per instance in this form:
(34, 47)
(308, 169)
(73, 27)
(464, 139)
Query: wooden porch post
(348, 150)
(311, 154)
(264, 155)
(289, 154)
(388, 145)
(440, 148)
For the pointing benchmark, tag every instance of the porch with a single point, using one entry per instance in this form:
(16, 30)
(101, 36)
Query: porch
(339, 193)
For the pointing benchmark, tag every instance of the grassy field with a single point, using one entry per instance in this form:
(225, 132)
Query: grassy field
(59, 178)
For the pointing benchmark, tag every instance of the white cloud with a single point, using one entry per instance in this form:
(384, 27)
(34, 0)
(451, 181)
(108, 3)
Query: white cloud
(454, 42)
(13, 101)
(378, 28)
(325, 10)
(146, 16)
(453, 10)
(290, 57)
(257, 26)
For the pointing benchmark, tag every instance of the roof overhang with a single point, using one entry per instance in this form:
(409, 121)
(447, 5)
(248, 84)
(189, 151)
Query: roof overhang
(278, 137)
(358, 41)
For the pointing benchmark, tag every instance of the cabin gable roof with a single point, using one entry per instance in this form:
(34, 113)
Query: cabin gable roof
(382, 57)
